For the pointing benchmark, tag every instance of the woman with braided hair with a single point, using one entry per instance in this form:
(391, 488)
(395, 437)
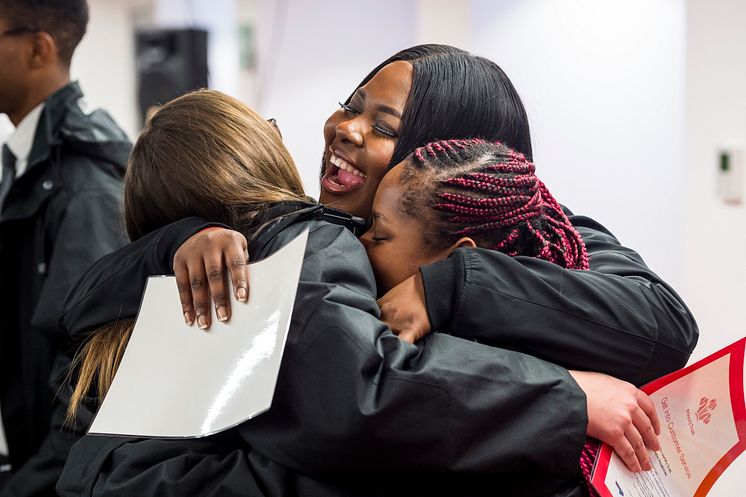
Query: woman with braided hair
(453, 194)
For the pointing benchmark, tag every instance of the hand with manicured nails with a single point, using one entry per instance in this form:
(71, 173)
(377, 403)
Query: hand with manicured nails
(199, 267)
(404, 309)
(622, 416)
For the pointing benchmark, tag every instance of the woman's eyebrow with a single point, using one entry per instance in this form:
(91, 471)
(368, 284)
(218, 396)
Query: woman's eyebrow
(386, 109)
(378, 216)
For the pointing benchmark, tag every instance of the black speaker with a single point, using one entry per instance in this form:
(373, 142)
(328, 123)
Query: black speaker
(170, 62)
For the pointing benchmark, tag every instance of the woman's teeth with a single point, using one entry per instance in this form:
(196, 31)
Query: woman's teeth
(345, 166)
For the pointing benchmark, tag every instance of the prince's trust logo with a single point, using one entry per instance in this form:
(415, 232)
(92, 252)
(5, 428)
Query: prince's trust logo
(702, 414)
(706, 406)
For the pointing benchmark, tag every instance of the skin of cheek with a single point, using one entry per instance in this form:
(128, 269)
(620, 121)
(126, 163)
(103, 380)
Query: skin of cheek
(358, 134)
(401, 254)
(374, 158)
(392, 263)
(12, 78)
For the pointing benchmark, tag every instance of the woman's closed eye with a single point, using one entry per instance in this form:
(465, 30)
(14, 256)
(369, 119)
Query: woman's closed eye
(380, 128)
(349, 109)
(374, 234)
(385, 131)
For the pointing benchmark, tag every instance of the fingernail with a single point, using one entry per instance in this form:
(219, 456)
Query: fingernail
(188, 319)
(222, 314)
(202, 322)
(242, 294)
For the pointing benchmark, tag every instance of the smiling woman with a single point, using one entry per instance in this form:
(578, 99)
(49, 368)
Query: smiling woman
(361, 137)
(419, 95)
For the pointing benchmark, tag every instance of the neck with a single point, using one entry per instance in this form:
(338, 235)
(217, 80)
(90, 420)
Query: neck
(37, 93)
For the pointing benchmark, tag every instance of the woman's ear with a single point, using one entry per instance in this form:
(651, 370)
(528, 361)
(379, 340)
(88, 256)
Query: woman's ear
(465, 242)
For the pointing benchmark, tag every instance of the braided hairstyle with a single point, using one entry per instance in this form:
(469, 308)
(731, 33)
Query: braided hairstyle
(488, 192)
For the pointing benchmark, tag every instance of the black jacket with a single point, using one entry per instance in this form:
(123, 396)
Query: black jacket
(356, 410)
(62, 214)
(619, 318)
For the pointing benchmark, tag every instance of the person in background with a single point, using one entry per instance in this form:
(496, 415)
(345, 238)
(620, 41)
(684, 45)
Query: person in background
(60, 210)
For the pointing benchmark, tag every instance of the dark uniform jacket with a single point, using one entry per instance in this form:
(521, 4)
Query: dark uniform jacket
(60, 216)
(619, 318)
(356, 412)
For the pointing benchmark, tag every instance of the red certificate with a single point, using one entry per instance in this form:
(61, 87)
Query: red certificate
(703, 434)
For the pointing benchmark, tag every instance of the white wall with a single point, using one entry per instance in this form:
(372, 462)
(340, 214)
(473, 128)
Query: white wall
(603, 83)
(443, 21)
(105, 62)
(715, 250)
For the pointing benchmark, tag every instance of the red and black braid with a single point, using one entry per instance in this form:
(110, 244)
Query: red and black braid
(490, 192)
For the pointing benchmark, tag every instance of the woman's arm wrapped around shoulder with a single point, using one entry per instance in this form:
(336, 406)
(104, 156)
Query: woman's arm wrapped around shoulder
(618, 318)
(106, 291)
(350, 390)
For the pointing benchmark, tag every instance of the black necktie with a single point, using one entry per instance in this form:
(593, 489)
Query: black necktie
(9, 173)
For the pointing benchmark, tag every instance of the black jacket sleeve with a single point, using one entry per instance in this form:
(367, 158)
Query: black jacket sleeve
(619, 318)
(103, 293)
(351, 390)
(126, 467)
(353, 397)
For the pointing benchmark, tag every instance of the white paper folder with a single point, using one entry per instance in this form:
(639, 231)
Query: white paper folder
(180, 381)
(702, 410)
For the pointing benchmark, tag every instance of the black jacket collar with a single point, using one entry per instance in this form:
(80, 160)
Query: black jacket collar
(276, 217)
(63, 121)
(64, 132)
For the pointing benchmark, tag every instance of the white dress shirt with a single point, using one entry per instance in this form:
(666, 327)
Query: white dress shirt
(6, 128)
(22, 140)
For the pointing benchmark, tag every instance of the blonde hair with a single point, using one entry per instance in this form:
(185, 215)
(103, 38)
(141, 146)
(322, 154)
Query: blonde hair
(96, 362)
(203, 154)
(206, 154)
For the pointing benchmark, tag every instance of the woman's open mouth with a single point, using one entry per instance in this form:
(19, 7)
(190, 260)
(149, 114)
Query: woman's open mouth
(341, 176)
